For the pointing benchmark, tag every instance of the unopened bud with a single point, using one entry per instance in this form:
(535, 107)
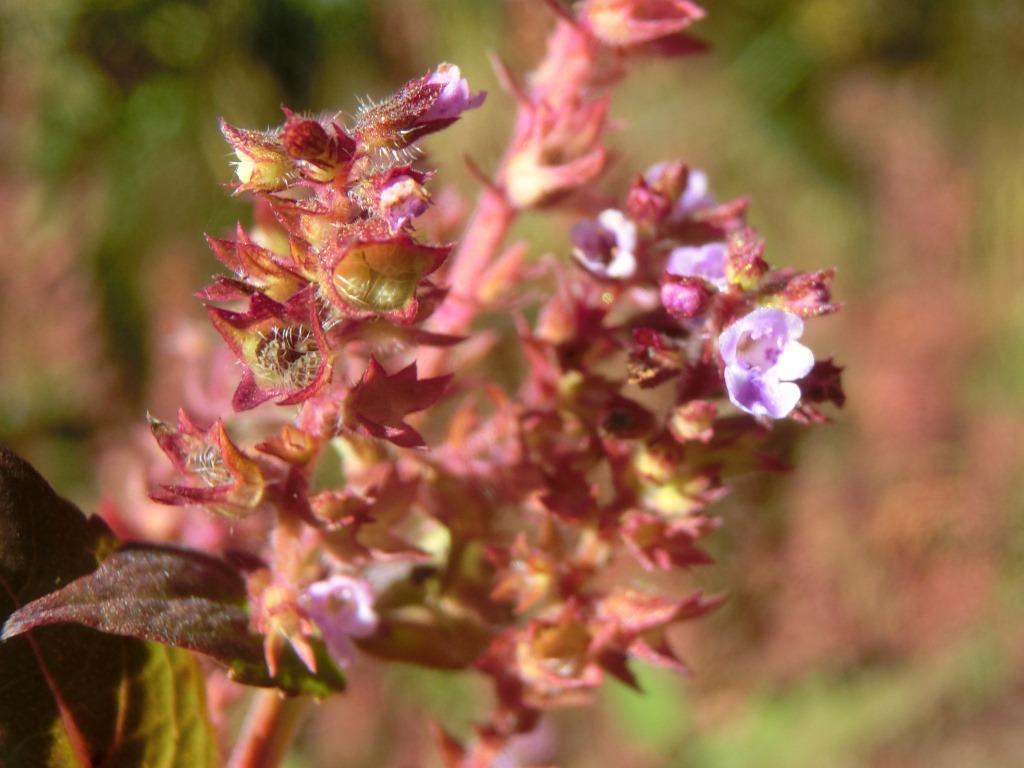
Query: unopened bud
(685, 297)
(633, 22)
(808, 294)
(745, 264)
(693, 421)
(263, 164)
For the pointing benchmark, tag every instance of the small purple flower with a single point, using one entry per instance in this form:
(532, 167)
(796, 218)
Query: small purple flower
(342, 608)
(454, 98)
(402, 199)
(695, 197)
(606, 247)
(763, 359)
(704, 261)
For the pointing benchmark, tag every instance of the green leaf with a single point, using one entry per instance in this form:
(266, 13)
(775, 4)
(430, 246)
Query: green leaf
(177, 597)
(71, 696)
(292, 674)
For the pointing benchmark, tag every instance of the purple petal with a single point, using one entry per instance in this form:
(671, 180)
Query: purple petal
(760, 396)
(342, 608)
(706, 261)
(746, 390)
(777, 323)
(615, 221)
(781, 398)
(454, 98)
(728, 341)
(402, 199)
(794, 362)
(653, 174)
(696, 195)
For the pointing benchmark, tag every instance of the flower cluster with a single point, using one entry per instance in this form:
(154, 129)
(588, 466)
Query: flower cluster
(332, 273)
(659, 351)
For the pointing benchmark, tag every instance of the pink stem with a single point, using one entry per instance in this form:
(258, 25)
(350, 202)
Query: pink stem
(491, 221)
(268, 730)
(494, 213)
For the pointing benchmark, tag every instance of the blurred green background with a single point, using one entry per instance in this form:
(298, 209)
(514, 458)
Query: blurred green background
(876, 615)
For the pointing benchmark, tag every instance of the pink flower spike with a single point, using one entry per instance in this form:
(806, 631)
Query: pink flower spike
(763, 359)
(342, 608)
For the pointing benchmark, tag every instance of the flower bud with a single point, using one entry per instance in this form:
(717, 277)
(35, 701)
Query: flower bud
(624, 23)
(454, 97)
(685, 297)
(745, 264)
(808, 294)
(263, 163)
(668, 178)
(686, 188)
(693, 421)
(304, 139)
(644, 203)
(419, 107)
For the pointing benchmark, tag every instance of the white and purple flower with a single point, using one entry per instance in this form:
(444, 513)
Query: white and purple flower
(402, 199)
(455, 97)
(763, 360)
(703, 261)
(606, 247)
(342, 608)
(696, 196)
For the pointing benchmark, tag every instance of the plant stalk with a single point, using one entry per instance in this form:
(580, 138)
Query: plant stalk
(268, 730)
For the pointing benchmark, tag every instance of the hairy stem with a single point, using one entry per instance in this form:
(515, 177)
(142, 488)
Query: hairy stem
(268, 731)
